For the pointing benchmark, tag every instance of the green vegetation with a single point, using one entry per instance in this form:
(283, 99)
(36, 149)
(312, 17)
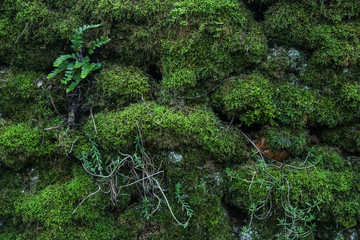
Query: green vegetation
(212, 119)
(80, 66)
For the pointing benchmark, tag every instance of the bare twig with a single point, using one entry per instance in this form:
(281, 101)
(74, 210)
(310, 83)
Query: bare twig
(87, 198)
(93, 119)
(72, 146)
(50, 128)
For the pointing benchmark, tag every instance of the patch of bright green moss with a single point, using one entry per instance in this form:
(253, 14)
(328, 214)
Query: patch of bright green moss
(21, 144)
(122, 84)
(293, 140)
(249, 98)
(52, 209)
(213, 38)
(166, 128)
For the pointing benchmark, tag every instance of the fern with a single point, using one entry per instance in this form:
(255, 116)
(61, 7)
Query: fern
(184, 205)
(88, 68)
(76, 65)
(98, 43)
(59, 69)
(61, 59)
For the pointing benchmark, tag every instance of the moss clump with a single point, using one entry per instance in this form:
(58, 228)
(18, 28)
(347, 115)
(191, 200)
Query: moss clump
(346, 137)
(21, 98)
(52, 209)
(213, 38)
(240, 97)
(350, 94)
(297, 24)
(326, 195)
(294, 104)
(166, 128)
(21, 144)
(122, 84)
(293, 140)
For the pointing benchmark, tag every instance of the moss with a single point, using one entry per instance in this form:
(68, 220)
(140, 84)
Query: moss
(294, 140)
(240, 96)
(328, 158)
(166, 128)
(332, 195)
(21, 144)
(211, 40)
(346, 137)
(52, 209)
(122, 84)
(328, 112)
(201, 187)
(294, 104)
(350, 94)
(297, 24)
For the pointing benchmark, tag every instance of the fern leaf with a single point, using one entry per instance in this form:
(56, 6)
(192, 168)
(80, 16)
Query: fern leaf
(88, 68)
(77, 80)
(86, 27)
(58, 69)
(76, 43)
(80, 63)
(61, 59)
(69, 73)
(98, 43)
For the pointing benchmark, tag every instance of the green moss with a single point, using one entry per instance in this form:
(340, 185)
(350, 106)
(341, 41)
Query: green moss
(21, 144)
(52, 209)
(211, 40)
(350, 94)
(327, 158)
(297, 24)
(166, 128)
(294, 104)
(328, 112)
(294, 140)
(346, 137)
(241, 98)
(21, 98)
(332, 195)
(122, 84)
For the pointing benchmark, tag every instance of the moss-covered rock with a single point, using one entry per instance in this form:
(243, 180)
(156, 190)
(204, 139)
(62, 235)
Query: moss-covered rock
(166, 128)
(53, 209)
(326, 195)
(240, 97)
(23, 96)
(122, 84)
(212, 40)
(346, 137)
(21, 144)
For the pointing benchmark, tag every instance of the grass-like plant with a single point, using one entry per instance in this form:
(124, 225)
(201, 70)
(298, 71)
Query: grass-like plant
(78, 65)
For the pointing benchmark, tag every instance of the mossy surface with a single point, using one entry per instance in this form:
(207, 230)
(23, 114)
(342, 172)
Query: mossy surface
(186, 90)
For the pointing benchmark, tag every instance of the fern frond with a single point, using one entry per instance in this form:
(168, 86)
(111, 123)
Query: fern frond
(79, 63)
(76, 40)
(88, 68)
(69, 73)
(58, 69)
(77, 80)
(86, 27)
(61, 59)
(77, 43)
(98, 43)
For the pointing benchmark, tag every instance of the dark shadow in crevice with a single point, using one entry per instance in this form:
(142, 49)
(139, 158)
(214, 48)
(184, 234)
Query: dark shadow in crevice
(154, 71)
(238, 217)
(258, 9)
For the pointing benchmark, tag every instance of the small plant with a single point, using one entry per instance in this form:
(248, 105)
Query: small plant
(140, 164)
(78, 65)
(184, 205)
(294, 222)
